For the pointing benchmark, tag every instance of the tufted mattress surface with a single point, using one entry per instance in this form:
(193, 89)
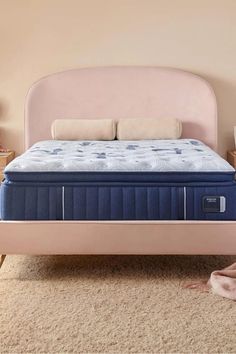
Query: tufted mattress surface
(148, 155)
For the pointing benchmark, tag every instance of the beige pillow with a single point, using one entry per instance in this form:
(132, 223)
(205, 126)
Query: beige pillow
(146, 129)
(83, 129)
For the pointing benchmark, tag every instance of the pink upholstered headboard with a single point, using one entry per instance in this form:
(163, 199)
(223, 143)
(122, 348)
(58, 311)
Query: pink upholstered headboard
(122, 92)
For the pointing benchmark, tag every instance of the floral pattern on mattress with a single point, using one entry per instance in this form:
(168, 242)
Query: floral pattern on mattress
(147, 155)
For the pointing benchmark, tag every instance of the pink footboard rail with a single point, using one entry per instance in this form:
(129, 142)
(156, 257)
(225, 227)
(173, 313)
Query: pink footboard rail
(118, 237)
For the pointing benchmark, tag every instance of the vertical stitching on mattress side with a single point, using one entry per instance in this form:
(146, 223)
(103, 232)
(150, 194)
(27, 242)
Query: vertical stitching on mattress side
(63, 202)
(147, 199)
(98, 202)
(73, 202)
(122, 203)
(85, 202)
(173, 197)
(37, 203)
(24, 204)
(193, 202)
(110, 202)
(185, 204)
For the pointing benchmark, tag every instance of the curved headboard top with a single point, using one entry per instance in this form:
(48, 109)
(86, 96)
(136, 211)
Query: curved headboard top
(122, 92)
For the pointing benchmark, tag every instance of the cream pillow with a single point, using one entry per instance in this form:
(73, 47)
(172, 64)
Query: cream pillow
(147, 129)
(83, 129)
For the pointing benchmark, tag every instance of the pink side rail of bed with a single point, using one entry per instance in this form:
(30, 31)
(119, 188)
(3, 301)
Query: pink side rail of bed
(120, 92)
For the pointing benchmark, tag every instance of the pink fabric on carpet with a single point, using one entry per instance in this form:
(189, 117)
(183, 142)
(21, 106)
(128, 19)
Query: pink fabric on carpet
(221, 282)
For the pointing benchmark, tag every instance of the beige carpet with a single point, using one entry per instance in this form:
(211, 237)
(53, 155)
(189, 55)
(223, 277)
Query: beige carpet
(112, 304)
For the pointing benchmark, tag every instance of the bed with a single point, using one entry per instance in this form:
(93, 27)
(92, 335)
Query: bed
(119, 204)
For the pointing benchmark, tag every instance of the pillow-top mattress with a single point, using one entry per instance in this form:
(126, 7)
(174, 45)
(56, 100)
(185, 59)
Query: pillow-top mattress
(119, 180)
(149, 160)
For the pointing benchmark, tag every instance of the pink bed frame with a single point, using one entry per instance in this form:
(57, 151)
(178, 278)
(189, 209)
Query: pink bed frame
(120, 92)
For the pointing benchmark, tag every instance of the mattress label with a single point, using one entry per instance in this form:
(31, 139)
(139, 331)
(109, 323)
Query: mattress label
(214, 204)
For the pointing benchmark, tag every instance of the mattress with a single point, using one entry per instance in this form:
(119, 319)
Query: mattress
(183, 160)
(119, 180)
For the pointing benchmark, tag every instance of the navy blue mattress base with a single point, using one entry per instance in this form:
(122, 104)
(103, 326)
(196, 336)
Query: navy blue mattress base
(115, 200)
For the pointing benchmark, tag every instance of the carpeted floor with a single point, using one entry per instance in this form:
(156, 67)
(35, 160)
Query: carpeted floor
(112, 304)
